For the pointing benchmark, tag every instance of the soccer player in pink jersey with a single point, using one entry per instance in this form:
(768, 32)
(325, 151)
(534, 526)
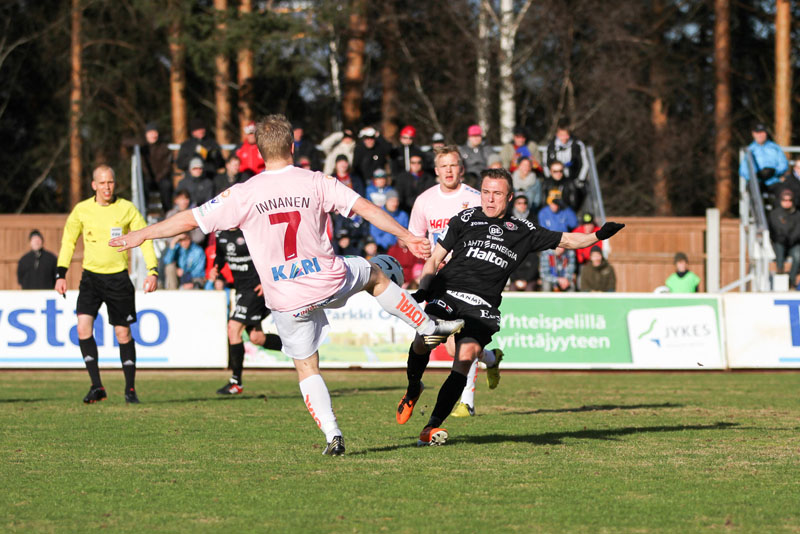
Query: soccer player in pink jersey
(283, 213)
(430, 216)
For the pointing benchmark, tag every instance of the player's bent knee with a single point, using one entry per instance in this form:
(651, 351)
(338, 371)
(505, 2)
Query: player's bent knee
(123, 334)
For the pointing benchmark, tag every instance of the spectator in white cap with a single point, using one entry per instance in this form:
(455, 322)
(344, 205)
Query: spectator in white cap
(372, 152)
(474, 154)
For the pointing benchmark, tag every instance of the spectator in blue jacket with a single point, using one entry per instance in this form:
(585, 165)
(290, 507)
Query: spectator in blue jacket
(769, 159)
(377, 190)
(385, 240)
(190, 260)
(556, 216)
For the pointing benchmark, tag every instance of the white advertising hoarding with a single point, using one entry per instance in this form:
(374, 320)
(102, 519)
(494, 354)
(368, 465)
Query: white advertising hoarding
(763, 330)
(174, 329)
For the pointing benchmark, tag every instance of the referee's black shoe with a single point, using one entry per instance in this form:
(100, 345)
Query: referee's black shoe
(335, 447)
(96, 394)
(130, 397)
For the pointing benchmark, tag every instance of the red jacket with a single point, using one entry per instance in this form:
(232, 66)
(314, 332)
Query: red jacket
(250, 157)
(582, 254)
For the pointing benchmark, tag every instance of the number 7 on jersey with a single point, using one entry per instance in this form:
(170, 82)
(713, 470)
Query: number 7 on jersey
(292, 220)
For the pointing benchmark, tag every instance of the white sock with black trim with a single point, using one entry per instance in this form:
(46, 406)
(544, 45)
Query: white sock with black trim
(318, 401)
(398, 302)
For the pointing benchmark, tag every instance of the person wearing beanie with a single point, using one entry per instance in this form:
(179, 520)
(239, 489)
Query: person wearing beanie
(682, 280)
(475, 154)
(37, 268)
(597, 274)
(400, 157)
(250, 160)
(385, 240)
(195, 181)
(200, 145)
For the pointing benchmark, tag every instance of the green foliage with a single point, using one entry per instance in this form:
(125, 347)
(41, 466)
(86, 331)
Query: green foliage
(584, 452)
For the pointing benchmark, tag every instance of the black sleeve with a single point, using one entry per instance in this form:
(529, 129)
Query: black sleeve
(219, 254)
(543, 239)
(452, 233)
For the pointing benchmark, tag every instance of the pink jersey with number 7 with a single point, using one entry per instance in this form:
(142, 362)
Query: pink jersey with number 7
(283, 216)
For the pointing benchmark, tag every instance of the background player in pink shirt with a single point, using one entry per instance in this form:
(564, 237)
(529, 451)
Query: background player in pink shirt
(283, 213)
(429, 217)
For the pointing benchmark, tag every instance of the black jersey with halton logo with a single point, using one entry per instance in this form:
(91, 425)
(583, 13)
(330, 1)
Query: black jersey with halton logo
(231, 248)
(486, 251)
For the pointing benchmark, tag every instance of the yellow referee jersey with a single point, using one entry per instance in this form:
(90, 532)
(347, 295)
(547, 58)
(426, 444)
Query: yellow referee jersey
(99, 224)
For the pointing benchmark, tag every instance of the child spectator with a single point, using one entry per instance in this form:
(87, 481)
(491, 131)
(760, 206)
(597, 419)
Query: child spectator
(385, 240)
(682, 280)
(587, 226)
(597, 274)
(189, 260)
(376, 191)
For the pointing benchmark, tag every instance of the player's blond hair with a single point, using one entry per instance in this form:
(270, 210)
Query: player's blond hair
(274, 137)
(442, 151)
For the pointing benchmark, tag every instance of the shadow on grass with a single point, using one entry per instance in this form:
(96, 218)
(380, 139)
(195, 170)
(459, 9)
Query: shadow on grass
(10, 401)
(233, 398)
(557, 438)
(598, 408)
(355, 391)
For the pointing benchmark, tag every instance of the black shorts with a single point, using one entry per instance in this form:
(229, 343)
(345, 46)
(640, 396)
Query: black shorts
(116, 290)
(481, 319)
(249, 308)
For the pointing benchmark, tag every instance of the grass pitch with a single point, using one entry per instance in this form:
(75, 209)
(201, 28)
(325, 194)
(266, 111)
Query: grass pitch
(577, 452)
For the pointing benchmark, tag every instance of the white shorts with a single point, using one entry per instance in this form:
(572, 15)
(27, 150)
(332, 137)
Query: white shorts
(303, 330)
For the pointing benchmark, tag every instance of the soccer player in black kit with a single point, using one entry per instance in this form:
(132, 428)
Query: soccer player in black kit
(249, 309)
(487, 245)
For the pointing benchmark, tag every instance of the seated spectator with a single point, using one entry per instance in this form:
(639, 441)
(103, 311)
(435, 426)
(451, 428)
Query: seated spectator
(305, 149)
(570, 152)
(784, 231)
(400, 157)
(409, 185)
(251, 162)
(572, 192)
(519, 148)
(370, 249)
(372, 152)
(378, 189)
(385, 240)
(597, 274)
(224, 180)
(768, 157)
(203, 146)
(157, 165)
(526, 275)
(682, 280)
(341, 172)
(557, 269)
(338, 144)
(37, 268)
(526, 181)
(185, 264)
(791, 181)
(495, 162)
(474, 154)
(587, 226)
(182, 202)
(344, 246)
(520, 206)
(556, 216)
(197, 184)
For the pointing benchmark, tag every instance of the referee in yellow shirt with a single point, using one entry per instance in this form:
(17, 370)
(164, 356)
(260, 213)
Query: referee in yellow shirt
(105, 276)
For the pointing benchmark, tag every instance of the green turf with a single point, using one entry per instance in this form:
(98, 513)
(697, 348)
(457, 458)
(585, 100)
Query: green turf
(582, 452)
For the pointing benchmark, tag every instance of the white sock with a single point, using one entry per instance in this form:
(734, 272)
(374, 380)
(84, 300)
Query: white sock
(488, 358)
(398, 302)
(468, 395)
(318, 401)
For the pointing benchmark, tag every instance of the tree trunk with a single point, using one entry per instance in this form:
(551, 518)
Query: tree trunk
(245, 72)
(75, 105)
(390, 113)
(783, 73)
(222, 79)
(354, 69)
(659, 119)
(508, 108)
(722, 106)
(177, 74)
(482, 71)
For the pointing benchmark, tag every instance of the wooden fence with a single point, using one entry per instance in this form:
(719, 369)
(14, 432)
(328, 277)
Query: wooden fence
(641, 254)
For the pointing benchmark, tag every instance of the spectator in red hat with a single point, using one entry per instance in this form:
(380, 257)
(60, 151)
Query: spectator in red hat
(475, 154)
(402, 153)
(250, 160)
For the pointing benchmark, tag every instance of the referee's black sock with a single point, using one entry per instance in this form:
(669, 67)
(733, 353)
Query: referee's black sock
(127, 354)
(89, 352)
(236, 356)
(448, 396)
(416, 365)
(272, 342)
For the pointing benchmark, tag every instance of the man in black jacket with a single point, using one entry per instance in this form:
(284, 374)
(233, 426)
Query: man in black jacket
(784, 231)
(37, 268)
(203, 146)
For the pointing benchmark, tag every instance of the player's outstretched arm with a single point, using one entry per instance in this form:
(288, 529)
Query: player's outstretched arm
(419, 246)
(571, 240)
(178, 223)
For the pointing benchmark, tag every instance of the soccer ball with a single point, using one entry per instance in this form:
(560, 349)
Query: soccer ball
(390, 267)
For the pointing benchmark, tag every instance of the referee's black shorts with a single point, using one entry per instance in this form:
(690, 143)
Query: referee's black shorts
(249, 309)
(481, 321)
(116, 290)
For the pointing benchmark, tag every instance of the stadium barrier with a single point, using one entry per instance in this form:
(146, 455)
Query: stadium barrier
(186, 329)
